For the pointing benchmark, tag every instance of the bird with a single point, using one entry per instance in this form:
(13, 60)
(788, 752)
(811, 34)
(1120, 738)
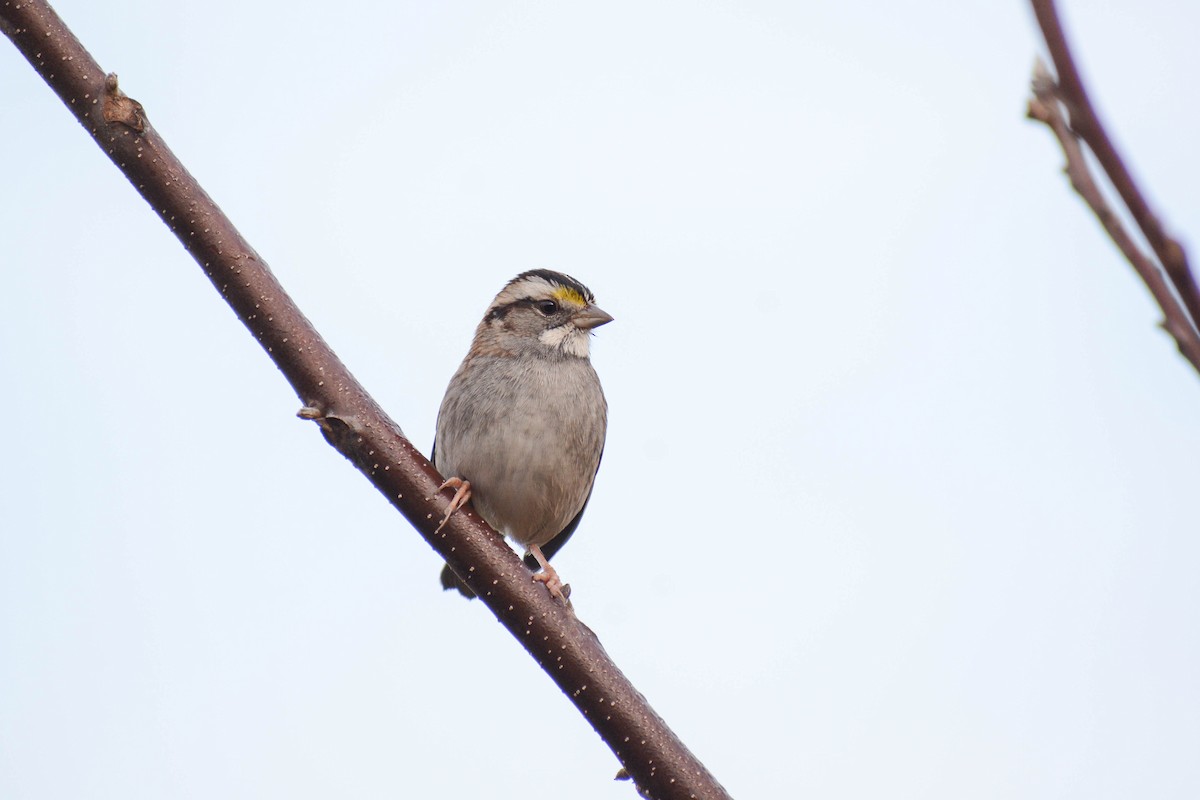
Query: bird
(521, 429)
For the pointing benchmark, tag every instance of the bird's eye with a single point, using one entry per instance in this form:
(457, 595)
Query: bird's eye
(547, 307)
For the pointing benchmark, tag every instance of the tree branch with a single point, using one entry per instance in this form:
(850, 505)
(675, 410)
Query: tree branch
(659, 763)
(1047, 105)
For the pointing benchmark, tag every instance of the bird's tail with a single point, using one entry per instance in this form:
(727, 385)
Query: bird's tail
(451, 581)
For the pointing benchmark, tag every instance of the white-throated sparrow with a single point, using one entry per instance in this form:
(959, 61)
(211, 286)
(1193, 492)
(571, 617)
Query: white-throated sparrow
(521, 429)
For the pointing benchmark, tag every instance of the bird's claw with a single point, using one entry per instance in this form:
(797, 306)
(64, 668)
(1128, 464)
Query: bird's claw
(558, 590)
(462, 494)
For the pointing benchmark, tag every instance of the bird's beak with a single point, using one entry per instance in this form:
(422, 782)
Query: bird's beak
(591, 317)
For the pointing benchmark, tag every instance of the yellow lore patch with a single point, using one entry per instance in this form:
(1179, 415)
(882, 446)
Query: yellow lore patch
(566, 295)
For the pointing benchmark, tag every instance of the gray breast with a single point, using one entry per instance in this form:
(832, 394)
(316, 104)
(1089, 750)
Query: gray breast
(528, 440)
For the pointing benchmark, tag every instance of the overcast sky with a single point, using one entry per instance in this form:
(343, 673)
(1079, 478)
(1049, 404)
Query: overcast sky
(899, 496)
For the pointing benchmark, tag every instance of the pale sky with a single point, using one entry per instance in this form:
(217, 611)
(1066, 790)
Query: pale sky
(899, 494)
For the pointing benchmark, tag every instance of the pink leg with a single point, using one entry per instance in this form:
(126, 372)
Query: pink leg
(462, 494)
(548, 576)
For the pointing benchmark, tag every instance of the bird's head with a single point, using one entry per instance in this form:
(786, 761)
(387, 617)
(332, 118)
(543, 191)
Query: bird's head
(541, 312)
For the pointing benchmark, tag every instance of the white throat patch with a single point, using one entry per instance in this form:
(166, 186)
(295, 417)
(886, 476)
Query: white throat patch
(567, 338)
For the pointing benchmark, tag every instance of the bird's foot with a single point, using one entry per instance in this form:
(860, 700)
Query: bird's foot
(558, 590)
(462, 493)
(554, 584)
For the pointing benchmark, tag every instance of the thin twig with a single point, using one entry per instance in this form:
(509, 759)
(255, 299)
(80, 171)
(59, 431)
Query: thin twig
(659, 763)
(1045, 107)
(1082, 123)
